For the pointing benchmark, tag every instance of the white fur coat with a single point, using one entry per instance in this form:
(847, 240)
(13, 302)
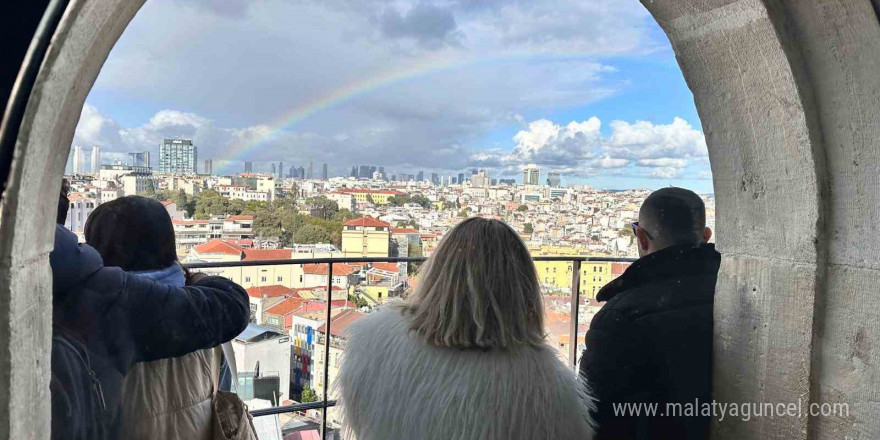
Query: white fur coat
(392, 385)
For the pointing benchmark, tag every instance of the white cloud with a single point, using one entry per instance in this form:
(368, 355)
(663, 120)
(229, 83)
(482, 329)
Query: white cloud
(644, 140)
(668, 162)
(664, 173)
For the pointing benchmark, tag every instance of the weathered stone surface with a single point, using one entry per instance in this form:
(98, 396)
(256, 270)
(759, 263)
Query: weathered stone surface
(79, 47)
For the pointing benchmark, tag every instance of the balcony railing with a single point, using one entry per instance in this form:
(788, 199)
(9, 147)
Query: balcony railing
(325, 403)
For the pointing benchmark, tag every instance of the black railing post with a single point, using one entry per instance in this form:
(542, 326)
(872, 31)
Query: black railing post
(327, 349)
(575, 302)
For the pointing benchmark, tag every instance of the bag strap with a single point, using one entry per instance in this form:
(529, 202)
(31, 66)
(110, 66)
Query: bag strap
(226, 347)
(215, 369)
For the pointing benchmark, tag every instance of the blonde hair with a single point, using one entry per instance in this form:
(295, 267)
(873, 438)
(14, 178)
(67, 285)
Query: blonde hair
(479, 290)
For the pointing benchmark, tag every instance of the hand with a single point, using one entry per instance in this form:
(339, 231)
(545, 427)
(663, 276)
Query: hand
(194, 278)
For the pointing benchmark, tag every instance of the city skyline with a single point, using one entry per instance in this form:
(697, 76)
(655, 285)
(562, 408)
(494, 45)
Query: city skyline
(614, 115)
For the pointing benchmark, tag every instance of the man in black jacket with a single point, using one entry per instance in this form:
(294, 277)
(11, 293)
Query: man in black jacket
(105, 320)
(651, 343)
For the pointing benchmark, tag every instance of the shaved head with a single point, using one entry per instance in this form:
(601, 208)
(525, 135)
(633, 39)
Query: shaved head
(673, 216)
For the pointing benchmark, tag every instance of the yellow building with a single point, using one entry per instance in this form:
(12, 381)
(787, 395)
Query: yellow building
(219, 251)
(378, 197)
(366, 237)
(594, 275)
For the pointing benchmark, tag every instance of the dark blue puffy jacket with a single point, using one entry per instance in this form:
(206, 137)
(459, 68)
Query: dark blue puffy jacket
(121, 319)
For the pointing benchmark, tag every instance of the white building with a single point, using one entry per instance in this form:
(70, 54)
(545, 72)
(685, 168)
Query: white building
(81, 206)
(78, 160)
(96, 159)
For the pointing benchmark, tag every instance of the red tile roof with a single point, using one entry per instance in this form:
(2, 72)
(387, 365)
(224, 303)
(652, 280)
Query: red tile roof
(367, 221)
(319, 306)
(286, 306)
(239, 217)
(188, 222)
(618, 268)
(339, 269)
(166, 202)
(266, 254)
(217, 246)
(389, 267)
(404, 231)
(270, 291)
(340, 322)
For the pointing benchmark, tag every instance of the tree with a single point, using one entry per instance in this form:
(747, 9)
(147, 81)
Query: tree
(522, 208)
(210, 203)
(342, 216)
(323, 207)
(308, 395)
(311, 234)
(150, 189)
(463, 213)
(421, 200)
(625, 232)
(528, 229)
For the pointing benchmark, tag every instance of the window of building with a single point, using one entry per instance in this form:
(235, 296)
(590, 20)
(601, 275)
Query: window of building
(247, 279)
(280, 279)
(263, 279)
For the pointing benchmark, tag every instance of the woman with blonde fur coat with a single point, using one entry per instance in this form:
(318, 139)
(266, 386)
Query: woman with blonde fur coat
(465, 358)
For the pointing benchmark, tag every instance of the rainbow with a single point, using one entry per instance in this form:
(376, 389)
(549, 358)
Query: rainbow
(360, 88)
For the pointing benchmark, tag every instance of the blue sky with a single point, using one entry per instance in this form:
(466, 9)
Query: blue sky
(588, 88)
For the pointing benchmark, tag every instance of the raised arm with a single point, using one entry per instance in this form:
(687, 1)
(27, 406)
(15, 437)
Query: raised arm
(168, 321)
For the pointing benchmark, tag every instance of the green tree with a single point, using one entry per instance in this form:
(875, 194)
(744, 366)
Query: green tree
(150, 189)
(323, 207)
(421, 200)
(311, 234)
(625, 232)
(308, 395)
(528, 229)
(522, 208)
(210, 203)
(464, 213)
(342, 216)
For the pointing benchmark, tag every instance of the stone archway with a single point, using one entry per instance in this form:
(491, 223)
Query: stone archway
(788, 95)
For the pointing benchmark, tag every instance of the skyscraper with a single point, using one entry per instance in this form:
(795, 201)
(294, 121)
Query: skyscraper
(209, 167)
(178, 156)
(435, 178)
(354, 172)
(531, 175)
(78, 160)
(382, 172)
(460, 178)
(96, 159)
(248, 167)
(480, 180)
(324, 174)
(280, 174)
(292, 172)
(273, 168)
(311, 170)
(364, 172)
(553, 179)
(420, 176)
(301, 172)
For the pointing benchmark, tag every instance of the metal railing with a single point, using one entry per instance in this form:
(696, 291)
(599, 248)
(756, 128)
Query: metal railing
(324, 403)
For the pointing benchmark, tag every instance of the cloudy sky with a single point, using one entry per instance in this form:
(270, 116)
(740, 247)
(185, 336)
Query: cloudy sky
(589, 88)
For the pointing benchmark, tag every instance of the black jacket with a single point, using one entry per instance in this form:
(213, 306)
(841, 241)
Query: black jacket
(652, 343)
(120, 319)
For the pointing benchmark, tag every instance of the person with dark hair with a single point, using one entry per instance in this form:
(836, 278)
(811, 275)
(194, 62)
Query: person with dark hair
(167, 398)
(651, 343)
(106, 320)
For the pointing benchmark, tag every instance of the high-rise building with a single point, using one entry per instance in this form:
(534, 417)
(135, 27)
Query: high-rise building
(280, 174)
(248, 167)
(553, 179)
(209, 167)
(301, 172)
(460, 178)
(435, 178)
(78, 160)
(324, 174)
(354, 172)
(292, 172)
(178, 156)
(139, 159)
(311, 170)
(480, 180)
(96, 160)
(273, 169)
(531, 175)
(420, 176)
(364, 172)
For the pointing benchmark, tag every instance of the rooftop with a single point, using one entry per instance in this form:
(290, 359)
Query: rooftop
(339, 269)
(340, 322)
(367, 221)
(270, 291)
(266, 254)
(287, 306)
(218, 246)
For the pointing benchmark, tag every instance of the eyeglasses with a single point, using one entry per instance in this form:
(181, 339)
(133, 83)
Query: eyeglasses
(635, 225)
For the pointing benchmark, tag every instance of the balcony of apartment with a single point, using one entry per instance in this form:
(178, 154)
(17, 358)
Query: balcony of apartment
(567, 310)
